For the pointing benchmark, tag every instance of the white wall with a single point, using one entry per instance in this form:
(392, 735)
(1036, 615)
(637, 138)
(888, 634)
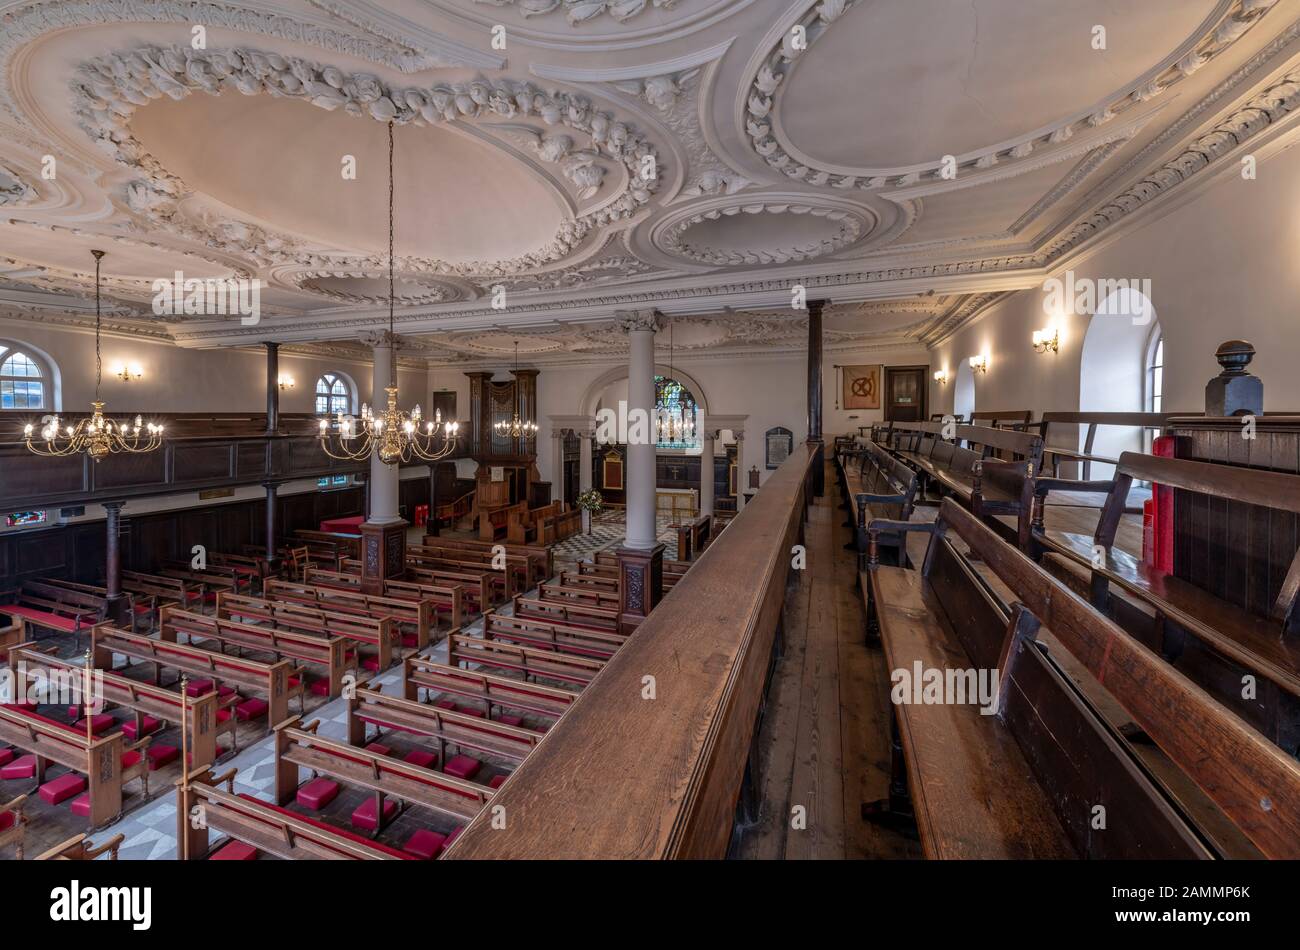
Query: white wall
(1222, 266)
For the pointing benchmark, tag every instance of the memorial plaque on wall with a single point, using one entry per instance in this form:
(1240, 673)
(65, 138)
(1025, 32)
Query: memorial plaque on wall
(780, 443)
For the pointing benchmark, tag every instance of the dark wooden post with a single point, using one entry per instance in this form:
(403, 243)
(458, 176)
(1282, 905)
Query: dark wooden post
(113, 561)
(272, 387)
(815, 390)
(383, 555)
(431, 526)
(641, 584)
(272, 530)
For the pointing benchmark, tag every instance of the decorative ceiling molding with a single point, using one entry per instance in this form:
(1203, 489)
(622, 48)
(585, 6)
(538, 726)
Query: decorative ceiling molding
(14, 189)
(616, 74)
(761, 112)
(110, 88)
(580, 11)
(844, 226)
(1263, 110)
(429, 50)
(29, 23)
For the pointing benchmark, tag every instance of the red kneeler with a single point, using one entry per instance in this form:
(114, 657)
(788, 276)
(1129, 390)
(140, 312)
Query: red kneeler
(62, 788)
(425, 845)
(363, 816)
(462, 766)
(317, 793)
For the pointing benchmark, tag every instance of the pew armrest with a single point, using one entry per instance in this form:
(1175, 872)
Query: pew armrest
(882, 526)
(1042, 486)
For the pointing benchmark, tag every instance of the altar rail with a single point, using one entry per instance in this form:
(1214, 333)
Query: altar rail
(625, 777)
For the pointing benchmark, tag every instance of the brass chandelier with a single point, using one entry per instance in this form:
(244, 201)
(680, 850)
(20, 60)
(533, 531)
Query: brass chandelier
(393, 435)
(675, 424)
(516, 428)
(95, 435)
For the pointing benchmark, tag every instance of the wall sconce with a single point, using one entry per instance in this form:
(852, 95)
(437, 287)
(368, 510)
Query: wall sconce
(941, 377)
(127, 371)
(979, 364)
(1045, 340)
(285, 381)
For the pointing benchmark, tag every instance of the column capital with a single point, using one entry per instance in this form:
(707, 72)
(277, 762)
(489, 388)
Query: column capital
(629, 320)
(380, 339)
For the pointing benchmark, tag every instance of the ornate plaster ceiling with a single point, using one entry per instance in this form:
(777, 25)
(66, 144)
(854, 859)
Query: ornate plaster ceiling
(907, 159)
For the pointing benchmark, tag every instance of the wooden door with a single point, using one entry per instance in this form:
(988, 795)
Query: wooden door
(905, 393)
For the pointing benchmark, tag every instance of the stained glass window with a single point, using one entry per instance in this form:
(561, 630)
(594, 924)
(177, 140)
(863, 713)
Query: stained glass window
(675, 417)
(18, 519)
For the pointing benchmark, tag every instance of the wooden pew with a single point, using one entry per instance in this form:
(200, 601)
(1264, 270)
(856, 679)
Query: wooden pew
(13, 825)
(202, 724)
(326, 652)
(269, 680)
(44, 606)
(379, 633)
(1015, 419)
(477, 586)
(446, 596)
(583, 580)
(255, 566)
(11, 635)
(298, 747)
(494, 522)
(1048, 752)
(1212, 641)
(878, 486)
(519, 566)
(419, 616)
(552, 635)
(264, 826)
(81, 848)
(332, 545)
(967, 467)
(494, 692)
(692, 536)
(208, 581)
(574, 672)
(567, 611)
(442, 727)
(580, 595)
(673, 572)
(510, 580)
(99, 759)
(161, 589)
(540, 557)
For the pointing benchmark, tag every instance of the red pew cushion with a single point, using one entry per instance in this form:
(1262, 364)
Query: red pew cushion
(371, 663)
(22, 767)
(7, 819)
(445, 704)
(410, 640)
(42, 617)
(363, 816)
(59, 790)
(462, 766)
(149, 725)
(198, 687)
(6, 756)
(467, 711)
(235, 851)
(161, 755)
(421, 757)
(251, 709)
(497, 781)
(220, 751)
(425, 845)
(81, 805)
(130, 759)
(378, 747)
(511, 720)
(101, 723)
(317, 793)
(318, 685)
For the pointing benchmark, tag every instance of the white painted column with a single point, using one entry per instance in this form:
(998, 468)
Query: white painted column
(557, 465)
(706, 472)
(640, 326)
(383, 478)
(584, 473)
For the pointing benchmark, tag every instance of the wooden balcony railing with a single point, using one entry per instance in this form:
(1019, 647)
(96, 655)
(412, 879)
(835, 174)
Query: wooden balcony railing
(622, 776)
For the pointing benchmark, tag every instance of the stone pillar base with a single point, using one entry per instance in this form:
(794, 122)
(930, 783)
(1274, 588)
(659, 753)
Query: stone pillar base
(641, 584)
(383, 554)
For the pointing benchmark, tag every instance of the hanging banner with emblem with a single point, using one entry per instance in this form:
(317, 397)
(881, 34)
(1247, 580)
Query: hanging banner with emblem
(862, 387)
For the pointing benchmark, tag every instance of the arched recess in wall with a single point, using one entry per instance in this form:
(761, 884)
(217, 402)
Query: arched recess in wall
(963, 392)
(590, 401)
(1112, 369)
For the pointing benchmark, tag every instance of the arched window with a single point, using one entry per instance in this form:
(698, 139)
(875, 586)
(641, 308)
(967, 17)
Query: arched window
(675, 416)
(333, 395)
(23, 380)
(1155, 375)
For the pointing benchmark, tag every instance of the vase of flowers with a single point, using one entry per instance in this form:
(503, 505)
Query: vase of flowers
(590, 502)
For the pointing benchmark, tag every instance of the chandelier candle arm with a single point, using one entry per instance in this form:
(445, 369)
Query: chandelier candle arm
(95, 435)
(394, 435)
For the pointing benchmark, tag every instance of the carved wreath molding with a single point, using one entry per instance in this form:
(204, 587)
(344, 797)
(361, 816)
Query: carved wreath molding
(579, 11)
(759, 110)
(845, 227)
(109, 89)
